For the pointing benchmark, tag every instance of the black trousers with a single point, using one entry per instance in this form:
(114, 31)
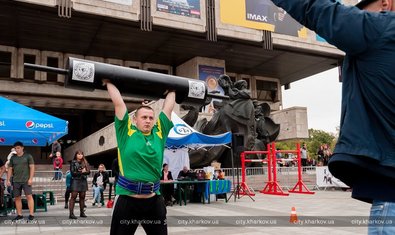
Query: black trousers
(129, 212)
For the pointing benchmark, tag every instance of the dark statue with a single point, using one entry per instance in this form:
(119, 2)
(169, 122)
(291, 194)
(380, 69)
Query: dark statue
(240, 114)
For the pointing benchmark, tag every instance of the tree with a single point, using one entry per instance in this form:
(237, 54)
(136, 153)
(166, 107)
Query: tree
(315, 140)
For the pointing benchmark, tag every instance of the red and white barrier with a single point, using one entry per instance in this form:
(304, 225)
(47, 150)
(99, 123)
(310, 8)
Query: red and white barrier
(272, 186)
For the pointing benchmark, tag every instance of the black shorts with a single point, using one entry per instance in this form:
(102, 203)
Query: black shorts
(17, 189)
(129, 212)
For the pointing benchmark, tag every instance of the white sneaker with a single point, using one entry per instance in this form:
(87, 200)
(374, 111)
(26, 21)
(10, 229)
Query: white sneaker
(99, 204)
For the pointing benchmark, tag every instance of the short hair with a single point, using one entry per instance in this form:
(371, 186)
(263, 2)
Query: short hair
(362, 4)
(143, 107)
(18, 143)
(165, 164)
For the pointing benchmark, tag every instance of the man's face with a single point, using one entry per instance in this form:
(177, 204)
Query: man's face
(19, 150)
(144, 120)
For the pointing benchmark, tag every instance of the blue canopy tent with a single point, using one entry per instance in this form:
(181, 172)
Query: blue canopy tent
(182, 135)
(31, 127)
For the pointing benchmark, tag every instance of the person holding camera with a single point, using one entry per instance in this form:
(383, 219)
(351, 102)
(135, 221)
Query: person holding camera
(79, 185)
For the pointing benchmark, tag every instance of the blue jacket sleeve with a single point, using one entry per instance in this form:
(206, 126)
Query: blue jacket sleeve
(346, 27)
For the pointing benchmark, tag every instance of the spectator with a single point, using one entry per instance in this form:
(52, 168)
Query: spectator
(115, 172)
(55, 147)
(327, 154)
(12, 152)
(57, 166)
(303, 156)
(167, 189)
(68, 190)
(79, 169)
(2, 170)
(100, 181)
(21, 168)
(183, 173)
(320, 155)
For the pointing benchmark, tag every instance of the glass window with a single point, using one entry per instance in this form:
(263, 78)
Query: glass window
(266, 90)
(5, 64)
(29, 73)
(52, 62)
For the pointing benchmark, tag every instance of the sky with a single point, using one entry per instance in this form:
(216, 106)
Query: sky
(321, 94)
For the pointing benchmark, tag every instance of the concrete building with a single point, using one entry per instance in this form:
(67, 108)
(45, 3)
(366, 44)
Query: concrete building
(173, 37)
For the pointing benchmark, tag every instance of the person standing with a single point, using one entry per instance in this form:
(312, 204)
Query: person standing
(140, 148)
(364, 156)
(79, 184)
(303, 156)
(2, 171)
(100, 181)
(57, 166)
(21, 168)
(55, 147)
(68, 190)
(115, 173)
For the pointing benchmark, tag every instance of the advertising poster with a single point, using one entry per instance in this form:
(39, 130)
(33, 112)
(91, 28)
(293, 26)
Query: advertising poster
(326, 179)
(210, 75)
(190, 8)
(260, 14)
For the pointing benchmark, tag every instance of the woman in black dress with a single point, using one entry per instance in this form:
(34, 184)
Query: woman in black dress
(79, 185)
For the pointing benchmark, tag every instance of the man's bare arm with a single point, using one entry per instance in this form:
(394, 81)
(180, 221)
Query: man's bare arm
(169, 103)
(117, 100)
(9, 174)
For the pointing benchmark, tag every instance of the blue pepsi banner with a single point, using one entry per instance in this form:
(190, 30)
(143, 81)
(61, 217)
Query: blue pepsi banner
(190, 8)
(31, 127)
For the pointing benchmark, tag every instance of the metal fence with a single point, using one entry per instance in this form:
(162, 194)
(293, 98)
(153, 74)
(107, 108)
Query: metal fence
(45, 181)
(287, 177)
(256, 178)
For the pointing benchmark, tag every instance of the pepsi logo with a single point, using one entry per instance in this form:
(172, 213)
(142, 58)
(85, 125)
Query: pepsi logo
(34, 141)
(29, 124)
(2, 140)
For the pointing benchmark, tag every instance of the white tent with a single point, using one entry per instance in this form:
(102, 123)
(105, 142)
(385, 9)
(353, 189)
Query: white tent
(181, 138)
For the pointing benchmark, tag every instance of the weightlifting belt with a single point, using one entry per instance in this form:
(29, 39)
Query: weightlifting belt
(138, 187)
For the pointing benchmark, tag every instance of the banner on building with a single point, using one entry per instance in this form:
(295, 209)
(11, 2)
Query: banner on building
(326, 179)
(122, 2)
(260, 14)
(190, 8)
(210, 75)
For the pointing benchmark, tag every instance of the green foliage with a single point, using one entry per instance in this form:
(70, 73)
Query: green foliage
(316, 139)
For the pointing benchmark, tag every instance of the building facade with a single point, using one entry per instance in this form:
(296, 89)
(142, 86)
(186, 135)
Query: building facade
(196, 39)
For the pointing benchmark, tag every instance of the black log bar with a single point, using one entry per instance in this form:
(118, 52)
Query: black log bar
(87, 75)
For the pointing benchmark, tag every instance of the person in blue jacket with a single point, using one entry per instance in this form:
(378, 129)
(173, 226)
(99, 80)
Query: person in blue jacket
(68, 190)
(364, 157)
